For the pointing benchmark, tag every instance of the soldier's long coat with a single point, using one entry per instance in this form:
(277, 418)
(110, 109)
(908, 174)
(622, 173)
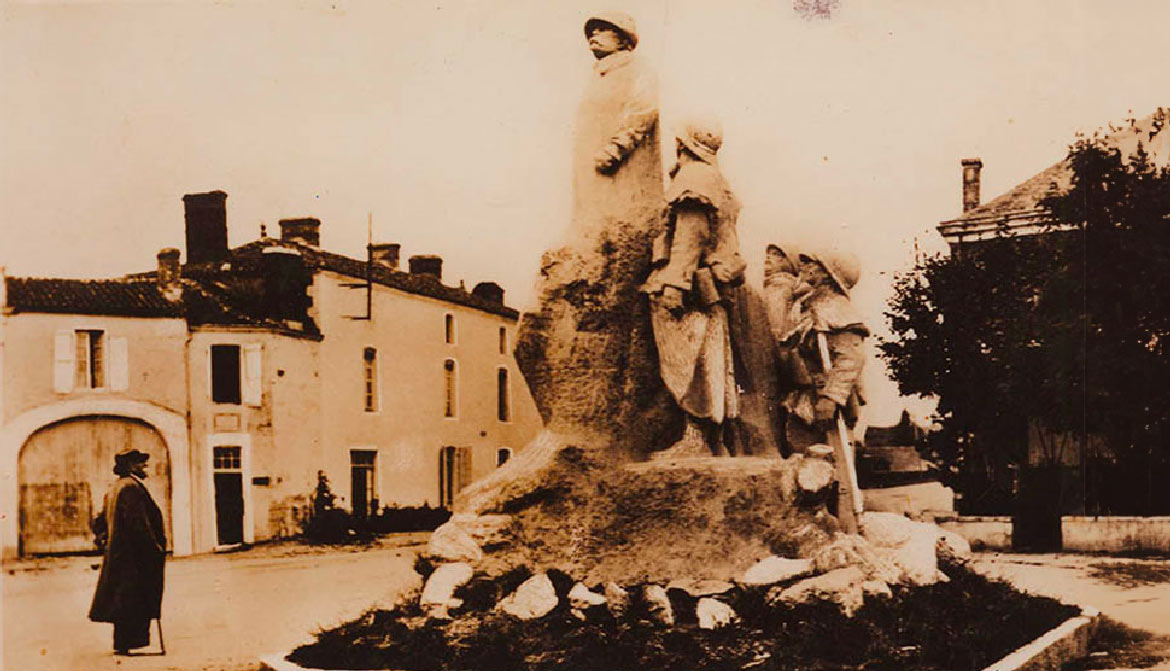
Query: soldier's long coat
(130, 585)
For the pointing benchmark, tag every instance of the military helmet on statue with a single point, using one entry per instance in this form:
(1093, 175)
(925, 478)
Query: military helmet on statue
(620, 21)
(703, 137)
(844, 268)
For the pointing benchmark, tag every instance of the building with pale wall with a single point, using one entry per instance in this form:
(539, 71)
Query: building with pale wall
(244, 372)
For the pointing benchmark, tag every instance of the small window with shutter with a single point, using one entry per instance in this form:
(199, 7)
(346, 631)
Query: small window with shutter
(89, 359)
(225, 374)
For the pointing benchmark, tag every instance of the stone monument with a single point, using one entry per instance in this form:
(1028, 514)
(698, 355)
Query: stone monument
(587, 353)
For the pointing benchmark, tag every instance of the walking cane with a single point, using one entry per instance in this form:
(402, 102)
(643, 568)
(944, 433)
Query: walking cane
(846, 449)
(161, 645)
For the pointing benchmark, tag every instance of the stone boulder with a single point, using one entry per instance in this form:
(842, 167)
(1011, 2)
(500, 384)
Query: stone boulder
(713, 614)
(917, 559)
(485, 530)
(700, 588)
(451, 543)
(581, 598)
(912, 546)
(617, 598)
(659, 604)
(438, 593)
(953, 547)
(771, 570)
(849, 550)
(814, 476)
(876, 588)
(842, 586)
(535, 597)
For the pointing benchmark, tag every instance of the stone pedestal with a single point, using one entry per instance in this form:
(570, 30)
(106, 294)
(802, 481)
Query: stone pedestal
(697, 519)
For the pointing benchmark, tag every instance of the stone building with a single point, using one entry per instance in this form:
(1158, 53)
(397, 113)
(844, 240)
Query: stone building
(244, 372)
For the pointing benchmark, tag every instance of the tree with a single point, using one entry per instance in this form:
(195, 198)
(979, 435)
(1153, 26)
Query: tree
(1041, 347)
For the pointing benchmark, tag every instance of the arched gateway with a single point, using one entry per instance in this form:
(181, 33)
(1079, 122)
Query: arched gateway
(57, 461)
(64, 471)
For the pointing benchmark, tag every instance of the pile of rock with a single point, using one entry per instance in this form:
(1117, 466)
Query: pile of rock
(892, 550)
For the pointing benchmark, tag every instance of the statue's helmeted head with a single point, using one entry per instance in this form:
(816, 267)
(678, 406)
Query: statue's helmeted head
(619, 22)
(702, 138)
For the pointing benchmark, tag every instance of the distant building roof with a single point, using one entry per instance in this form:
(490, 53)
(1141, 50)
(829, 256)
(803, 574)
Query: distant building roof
(415, 283)
(1019, 209)
(123, 298)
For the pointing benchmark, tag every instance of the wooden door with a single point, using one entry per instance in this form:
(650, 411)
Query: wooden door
(66, 468)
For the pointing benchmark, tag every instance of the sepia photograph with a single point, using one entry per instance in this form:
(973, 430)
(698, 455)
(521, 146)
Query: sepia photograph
(758, 335)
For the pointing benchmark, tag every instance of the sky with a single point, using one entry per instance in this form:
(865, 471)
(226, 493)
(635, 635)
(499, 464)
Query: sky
(450, 122)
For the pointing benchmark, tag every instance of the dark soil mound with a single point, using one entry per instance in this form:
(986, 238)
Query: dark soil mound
(964, 624)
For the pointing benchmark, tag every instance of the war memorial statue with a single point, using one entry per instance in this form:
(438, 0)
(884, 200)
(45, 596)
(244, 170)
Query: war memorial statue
(696, 264)
(651, 358)
(587, 352)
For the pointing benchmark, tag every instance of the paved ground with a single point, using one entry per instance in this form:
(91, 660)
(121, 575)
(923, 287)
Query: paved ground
(220, 612)
(1135, 592)
(1085, 580)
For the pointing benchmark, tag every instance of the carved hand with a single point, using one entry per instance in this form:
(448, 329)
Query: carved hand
(826, 409)
(672, 300)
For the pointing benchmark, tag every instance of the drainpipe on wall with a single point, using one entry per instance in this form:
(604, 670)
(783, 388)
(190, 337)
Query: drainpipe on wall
(3, 324)
(192, 449)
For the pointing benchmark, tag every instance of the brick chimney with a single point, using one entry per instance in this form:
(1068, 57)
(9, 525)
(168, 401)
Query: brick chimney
(169, 279)
(971, 168)
(427, 264)
(285, 285)
(206, 218)
(306, 231)
(490, 292)
(386, 253)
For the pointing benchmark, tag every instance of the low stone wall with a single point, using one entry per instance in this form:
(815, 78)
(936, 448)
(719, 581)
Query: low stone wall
(912, 500)
(1115, 534)
(983, 533)
(1079, 534)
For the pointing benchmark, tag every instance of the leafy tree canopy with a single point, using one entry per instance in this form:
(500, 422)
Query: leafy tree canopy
(1067, 329)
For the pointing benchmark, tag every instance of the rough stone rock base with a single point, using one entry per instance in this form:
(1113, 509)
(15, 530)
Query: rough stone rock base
(696, 519)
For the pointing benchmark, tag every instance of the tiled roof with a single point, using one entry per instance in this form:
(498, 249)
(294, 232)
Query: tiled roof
(1153, 132)
(123, 298)
(419, 284)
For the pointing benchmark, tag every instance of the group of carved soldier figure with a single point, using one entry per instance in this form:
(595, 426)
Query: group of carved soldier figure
(696, 272)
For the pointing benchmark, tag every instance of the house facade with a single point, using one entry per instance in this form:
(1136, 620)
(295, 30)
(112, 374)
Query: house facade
(245, 373)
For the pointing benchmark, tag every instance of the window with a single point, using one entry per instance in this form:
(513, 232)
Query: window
(449, 397)
(363, 487)
(449, 328)
(235, 374)
(89, 360)
(503, 455)
(370, 363)
(503, 340)
(226, 459)
(503, 404)
(454, 473)
(225, 374)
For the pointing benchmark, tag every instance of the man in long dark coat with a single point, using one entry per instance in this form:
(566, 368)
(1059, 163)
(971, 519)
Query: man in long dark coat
(130, 586)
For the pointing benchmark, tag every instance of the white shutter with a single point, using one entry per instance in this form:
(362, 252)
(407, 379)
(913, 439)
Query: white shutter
(63, 362)
(119, 363)
(251, 374)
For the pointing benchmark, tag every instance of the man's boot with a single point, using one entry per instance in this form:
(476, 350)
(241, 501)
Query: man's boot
(692, 445)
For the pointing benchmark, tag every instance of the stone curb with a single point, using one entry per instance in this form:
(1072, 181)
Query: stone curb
(1069, 640)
